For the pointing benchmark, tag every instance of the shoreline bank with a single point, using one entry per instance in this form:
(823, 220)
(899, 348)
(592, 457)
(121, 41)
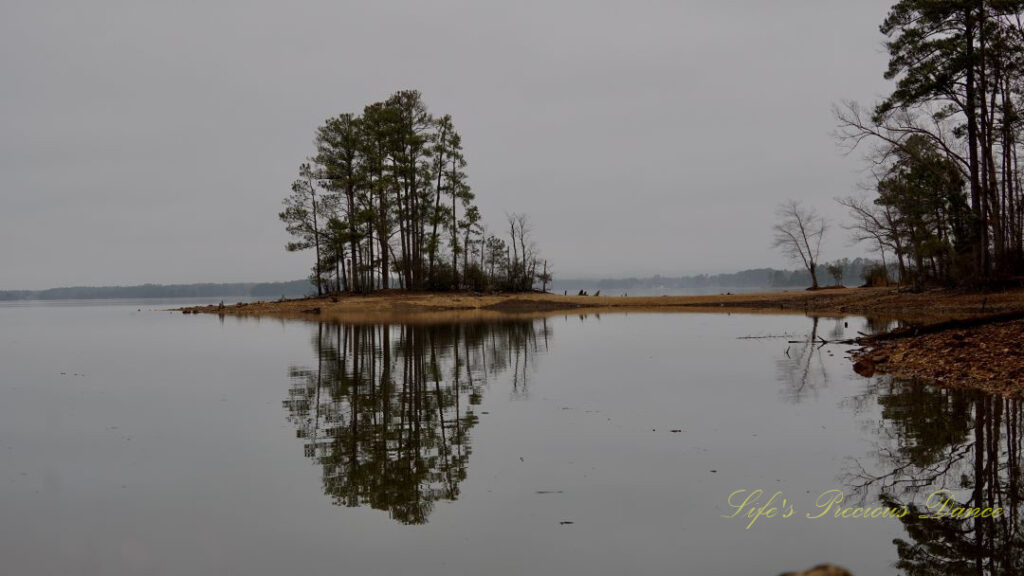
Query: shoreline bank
(984, 353)
(834, 301)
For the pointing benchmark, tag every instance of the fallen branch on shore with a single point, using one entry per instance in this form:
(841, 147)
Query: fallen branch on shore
(920, 330)
(978, 352)
(826, 342)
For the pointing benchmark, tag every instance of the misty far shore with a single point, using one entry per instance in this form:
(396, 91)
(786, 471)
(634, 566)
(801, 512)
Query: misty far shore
(761, 279)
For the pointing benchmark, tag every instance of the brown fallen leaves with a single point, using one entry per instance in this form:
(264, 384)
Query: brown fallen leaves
(988, 357)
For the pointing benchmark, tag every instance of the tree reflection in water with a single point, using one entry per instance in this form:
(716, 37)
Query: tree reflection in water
(929, 439)
(386, 412)
(802, 368)
(964, 441)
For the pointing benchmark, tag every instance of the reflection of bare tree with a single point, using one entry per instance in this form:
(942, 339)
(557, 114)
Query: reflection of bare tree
(802, 368)
(838, 330)
(966, 442)
(387, 409)
(878, 325)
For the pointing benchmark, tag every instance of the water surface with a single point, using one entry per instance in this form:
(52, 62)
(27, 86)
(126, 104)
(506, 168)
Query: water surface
(139, 441)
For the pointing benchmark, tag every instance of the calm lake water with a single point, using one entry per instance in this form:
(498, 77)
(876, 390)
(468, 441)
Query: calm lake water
(136, 441)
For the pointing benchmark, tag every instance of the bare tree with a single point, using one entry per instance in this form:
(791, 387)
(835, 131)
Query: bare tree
(799, 233)
(523, 254)
(869, 224)
(890, 131)
(544, 277)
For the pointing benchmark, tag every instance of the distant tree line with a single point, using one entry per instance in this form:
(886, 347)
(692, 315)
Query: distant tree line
(842, 271)
(385, 203)
(947, 202)
(205, 290)
(852, 271)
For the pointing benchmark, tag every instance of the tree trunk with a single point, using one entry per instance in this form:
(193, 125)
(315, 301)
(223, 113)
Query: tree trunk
(316, 239)
(980, 230)
(455, 244)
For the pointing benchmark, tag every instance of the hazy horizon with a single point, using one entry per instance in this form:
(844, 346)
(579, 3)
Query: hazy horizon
(558, 281)
(153, 144)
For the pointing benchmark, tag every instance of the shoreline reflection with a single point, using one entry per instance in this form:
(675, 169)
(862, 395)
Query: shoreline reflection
(964, 441)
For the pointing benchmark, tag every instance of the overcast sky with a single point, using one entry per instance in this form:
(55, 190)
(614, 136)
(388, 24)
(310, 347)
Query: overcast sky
(153, 142)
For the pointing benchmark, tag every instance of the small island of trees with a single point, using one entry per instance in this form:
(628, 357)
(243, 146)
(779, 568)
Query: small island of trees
(385, 203)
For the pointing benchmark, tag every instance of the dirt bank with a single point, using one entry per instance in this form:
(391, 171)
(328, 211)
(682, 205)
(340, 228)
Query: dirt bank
(986, 353)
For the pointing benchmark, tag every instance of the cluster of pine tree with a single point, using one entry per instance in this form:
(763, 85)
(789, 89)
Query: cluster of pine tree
(949, 205)
(385, 203)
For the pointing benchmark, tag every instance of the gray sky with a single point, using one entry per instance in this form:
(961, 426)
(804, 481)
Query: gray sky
(153, 142)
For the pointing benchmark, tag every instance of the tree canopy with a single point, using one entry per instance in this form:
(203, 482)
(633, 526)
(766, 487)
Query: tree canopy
(951, 121)
(385, 202)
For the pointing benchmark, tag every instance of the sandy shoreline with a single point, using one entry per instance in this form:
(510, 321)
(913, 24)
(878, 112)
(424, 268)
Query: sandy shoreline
(842, 301)
(986, 356)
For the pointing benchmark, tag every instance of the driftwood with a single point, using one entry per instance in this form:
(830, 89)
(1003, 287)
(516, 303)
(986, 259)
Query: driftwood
(918, 330)
(868, 357)
(826, 342)
(922, 329)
